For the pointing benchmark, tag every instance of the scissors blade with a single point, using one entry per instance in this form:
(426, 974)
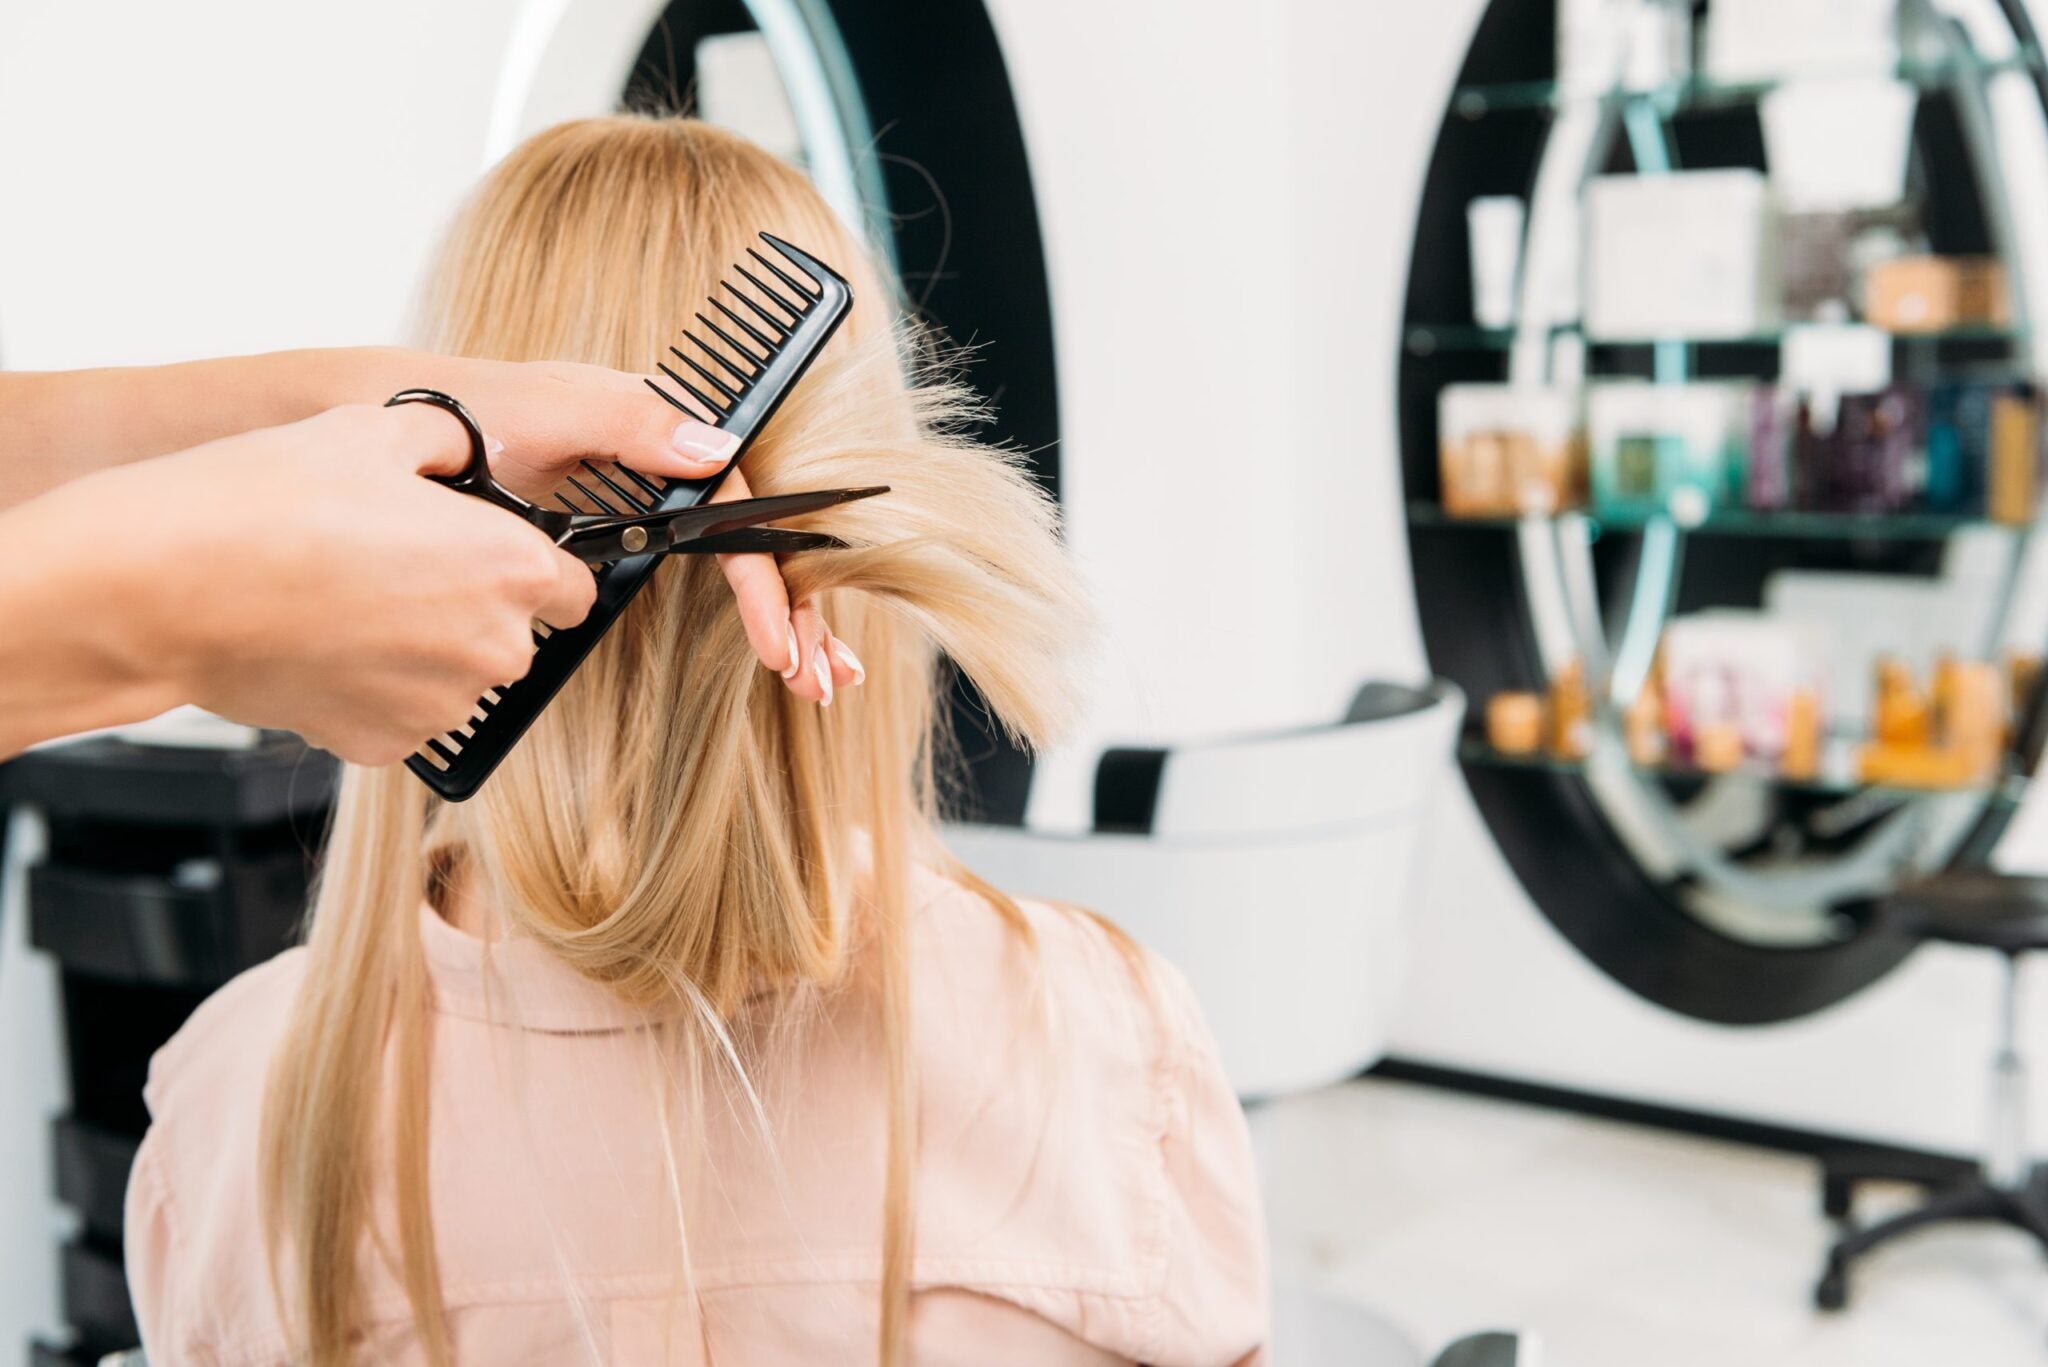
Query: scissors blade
(598, 539)
(768, 540)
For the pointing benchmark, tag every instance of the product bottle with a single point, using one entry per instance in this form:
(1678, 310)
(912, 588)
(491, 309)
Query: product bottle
(1643, 726)
(2015, 460)
(2023, 682)
(1719, 747)
(1974, 722)
(1571, 713)
(1802, 735)
(1902, 717)
(1514, 723)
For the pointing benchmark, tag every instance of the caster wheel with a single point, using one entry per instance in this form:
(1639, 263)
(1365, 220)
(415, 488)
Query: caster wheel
(1833, 1291)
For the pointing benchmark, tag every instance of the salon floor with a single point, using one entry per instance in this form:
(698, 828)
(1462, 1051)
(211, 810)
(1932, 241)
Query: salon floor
(1621, 1246)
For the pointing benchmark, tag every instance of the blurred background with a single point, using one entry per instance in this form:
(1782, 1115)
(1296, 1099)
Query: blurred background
(1559, 477)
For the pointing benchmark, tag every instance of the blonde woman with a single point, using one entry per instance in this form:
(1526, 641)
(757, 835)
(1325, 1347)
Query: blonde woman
(684, 1042)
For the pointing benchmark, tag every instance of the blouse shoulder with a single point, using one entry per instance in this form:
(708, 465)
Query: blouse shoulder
(227, 1042)
(197, 1278)
(1129, 1165)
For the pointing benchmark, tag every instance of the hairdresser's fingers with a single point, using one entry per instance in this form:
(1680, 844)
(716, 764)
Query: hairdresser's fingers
(567, 588)
(763, 598)
(847, 670)
(813, 682)
(641, 429)
(551, 415)
(631, 424)
(427, 439)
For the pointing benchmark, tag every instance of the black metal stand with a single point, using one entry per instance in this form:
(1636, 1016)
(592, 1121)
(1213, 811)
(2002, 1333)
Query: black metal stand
(2024, 1208)
(2005, 1187)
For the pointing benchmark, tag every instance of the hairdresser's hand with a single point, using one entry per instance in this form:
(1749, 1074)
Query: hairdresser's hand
(306, 577)
(795, 644)
(545, 417)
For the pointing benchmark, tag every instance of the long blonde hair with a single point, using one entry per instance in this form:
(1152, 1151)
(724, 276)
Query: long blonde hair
(677, 825)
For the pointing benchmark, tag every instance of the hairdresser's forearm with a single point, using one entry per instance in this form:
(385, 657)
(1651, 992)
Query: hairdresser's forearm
(83, 647)
(58, 425)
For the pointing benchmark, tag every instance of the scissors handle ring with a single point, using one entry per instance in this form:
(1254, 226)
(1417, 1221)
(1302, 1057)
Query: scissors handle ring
(475, 475)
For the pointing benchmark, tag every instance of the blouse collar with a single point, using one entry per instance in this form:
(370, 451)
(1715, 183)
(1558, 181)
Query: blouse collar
(516, 983)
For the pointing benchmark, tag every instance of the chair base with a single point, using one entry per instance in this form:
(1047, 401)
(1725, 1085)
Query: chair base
(1960, 1192)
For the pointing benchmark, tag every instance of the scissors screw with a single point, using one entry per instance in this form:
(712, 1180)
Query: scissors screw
(634, 539)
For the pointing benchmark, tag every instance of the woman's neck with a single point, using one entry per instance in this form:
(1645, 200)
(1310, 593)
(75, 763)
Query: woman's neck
(461, 902)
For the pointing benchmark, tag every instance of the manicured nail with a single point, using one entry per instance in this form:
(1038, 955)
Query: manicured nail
(701, 441)
(824, 673)
(850, 660)
(796, 658)
(493, 448)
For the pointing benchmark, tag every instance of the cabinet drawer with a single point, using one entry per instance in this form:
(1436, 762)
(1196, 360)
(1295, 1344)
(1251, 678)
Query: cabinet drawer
(92, 1172)
(96, 1296)
(196, 928)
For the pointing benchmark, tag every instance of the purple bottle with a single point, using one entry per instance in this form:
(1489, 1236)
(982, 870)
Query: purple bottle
(1768, 481)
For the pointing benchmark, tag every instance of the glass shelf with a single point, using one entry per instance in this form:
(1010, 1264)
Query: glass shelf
(1424, 339)
(1705, 92)
(1789, 525)
(1837, 777)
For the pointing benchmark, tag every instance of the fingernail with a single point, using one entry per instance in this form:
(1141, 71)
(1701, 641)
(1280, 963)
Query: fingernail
(492, 446)
(796, 658)
(702, 441)
(850, 660)
(824, 673)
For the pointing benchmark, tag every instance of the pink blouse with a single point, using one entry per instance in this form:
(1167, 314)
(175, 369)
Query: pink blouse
(1085, 1190)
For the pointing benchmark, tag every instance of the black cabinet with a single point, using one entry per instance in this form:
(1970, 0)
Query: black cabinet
(165, 872)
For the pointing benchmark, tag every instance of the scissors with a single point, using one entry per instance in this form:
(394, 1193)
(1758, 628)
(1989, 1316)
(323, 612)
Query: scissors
(600, 538)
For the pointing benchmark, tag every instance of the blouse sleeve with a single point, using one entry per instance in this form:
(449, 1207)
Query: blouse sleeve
(1213, 1306)
(147, 1244)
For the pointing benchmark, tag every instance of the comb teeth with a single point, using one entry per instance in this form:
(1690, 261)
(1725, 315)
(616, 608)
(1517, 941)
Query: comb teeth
(753, 334)
(738, 372)
(754, 308)
(745, 377)
(801, 291)
(794, 311)
(647, 486)
(710, 394)
(704, 400)
(732, 395)
(636, 502)
(584, 489)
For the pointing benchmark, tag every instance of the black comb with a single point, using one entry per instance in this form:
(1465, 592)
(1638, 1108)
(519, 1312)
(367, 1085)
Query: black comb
(761, 332)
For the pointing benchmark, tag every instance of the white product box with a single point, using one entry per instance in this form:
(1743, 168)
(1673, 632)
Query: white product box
(1838, 358)
(1676, 448)
(1731, 666)
(1549, 414)
(1633, 44)
(1839, 143)
(1710, 416)
(1756, 40)
(1592, 42)
(1690, 255)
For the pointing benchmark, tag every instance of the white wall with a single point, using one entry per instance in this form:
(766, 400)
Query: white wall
(196, 179)
(1229, 255)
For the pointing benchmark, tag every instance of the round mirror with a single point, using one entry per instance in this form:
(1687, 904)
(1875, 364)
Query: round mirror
(1684, 448)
